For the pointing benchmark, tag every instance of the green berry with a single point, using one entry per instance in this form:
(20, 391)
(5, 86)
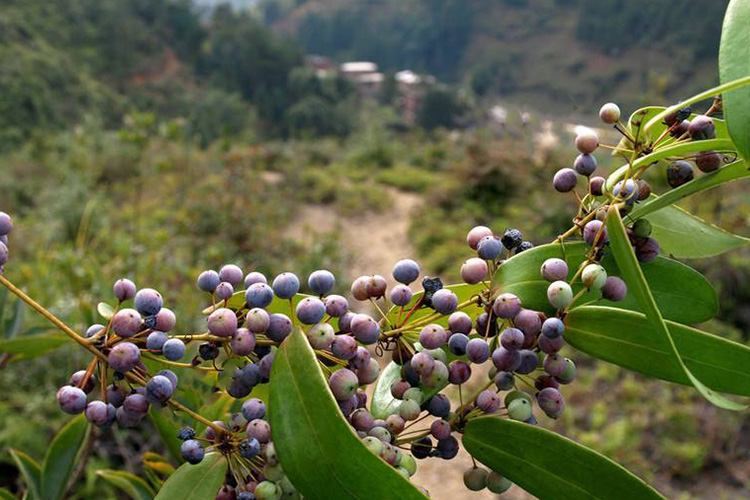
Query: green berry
(475, 479)
(594, 276)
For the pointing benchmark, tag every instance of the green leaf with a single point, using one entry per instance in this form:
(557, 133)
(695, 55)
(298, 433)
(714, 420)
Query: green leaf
(168, 430)
(463, 292)
(60, 459)
(383, 402)
(16, 322)
(105, 310)
(637, 285)
(31, 346)
(196, 482)
(7, 495)
(682, 293)
(625, 339)
(302, 409)
(734, 63)
(733, 171)
(685, 236)
(31, 472)
(135, 487)
(548, 465)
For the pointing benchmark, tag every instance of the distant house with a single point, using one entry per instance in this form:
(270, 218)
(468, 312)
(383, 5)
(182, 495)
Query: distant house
(321, 65)
(365, 77)
(411, 88)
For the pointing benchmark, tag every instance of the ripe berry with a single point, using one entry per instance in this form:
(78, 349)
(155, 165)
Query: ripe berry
(400, 295)
(610, 113)
(343, 384)
(708, 161)
(336, 305)
(243, 342)
(444, 301)
(440, 429)
(680, 129)
(593, 276)
(321, 282)
(679, 173)
(559, 295)
(439, 405)
(344, 347)
(253, 408)
(159, 389)
(504, 381)
(647, 250)
(701, 128)
(126, 322)
(478, 351)
(565, 180)
(165, 320)
(489, 248)
(285, 285)
(475, 479)
(587, 141)
(458, 372)
(260, 430)
(614, 289)
(525, 245)
(553, 328)
(476, 234)
(224, 291)
(585, 164)
(596, 185)
(208, 281)
(421, 448)
(474, 270)
(359, 288)
(506, 306)
(361, 420)
(433, 336)
(528, 322)
(643, 188)
(368, 373)
(365, 329)
(135, 405)
(116, 395)
(6, 224)
(447, 448)
(361, 358)
(554, 364)
(550, 345)
(422, 363)
(488, 401)
(512, 339)
(457, 344)
(173, 349)
(148, 301)
(222, 322)
(626, 190)
(529, 362)
(677, 116)
(279, 327)
(71, 399)
(310, 310)
(124, 357)
(249, 448)
(192, 451)
(254, 277)
(124, 289)
(554, 269)
(595, 228)
(511, 238)
(551, 402)
(156, 340)
(259, 295)
(406, 271)
(505, 360)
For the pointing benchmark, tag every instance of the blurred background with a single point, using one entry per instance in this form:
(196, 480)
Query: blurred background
(152, 139)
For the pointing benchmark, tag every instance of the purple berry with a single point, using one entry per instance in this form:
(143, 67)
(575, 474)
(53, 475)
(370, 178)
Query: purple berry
(336, 305)
(626, 190)
(136, 405)
(243, 342)
(192, 451)
(159, 389)
(422, 363)
(505, 360)
(115, 395)
(231, 274)
(528, 322)
(587, 141)
(489, 248)
(478, 351)
(253, 408)
(224, 291)
(343, 384)
(171, 376)
(596, 185)
(71, 399)
(254, 277)
(647, 251)
(551, 402)
(440, 429)
(614, 289)
(148, 301)
(506, 306)
(433, 336)
(155, 340)
(368, 373)
(459, 322)
(476, 234)
(124, 289)
(257, 320)
(359, 288)
(554, 269)
(512, 339)
(361, 420)
(321, 282)
(444, 301)
(610, 113)
(100, 413)
(173, 349)
(702, 128)
(529, 362)
(553, 328)
(708, 161)
(592, 229)
(222, 322)
(126, 322)
(458, 372)
(438, 378)
(474, 271)
(554, 364)
(285, 285)
(259, 295)
(360, 359)
(565, 180)
(457, 344)
(488, 401)
(208, 281)
(365, 329)
(6, 224)
(165, 320)
(376, 286)
(679, 173)
(504, 381)
(279, 327)
(585, 164)
(124, 356)
(77, 377)
(400, 295)
(344, 347)
(260, 430)
(406, 271)
(550, 346)
(439, 405)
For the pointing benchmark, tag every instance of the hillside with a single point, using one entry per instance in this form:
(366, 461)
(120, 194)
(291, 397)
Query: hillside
(553, 55)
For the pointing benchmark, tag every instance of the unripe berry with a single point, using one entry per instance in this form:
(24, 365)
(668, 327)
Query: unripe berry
(438, 378)
(610, 113)
(259, 295)
(124, 289)
(593, 276)
(520, 409)
(643, 189)
(565, 180)
(614, 289)
(474, 270)
(475, 479)
(587, 141)
(222, 322)
(321, 336)
(642, 228)
(497, 484)
(476, 234)
(406, 271)
(554, 269)
(409, 410)
(585, 164)
(568, 374)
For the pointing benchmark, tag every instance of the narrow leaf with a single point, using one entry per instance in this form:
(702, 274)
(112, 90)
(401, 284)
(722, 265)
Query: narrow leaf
(60, 459)
(196, 482)
(132, 485)
(625, 339)
(734, 63)
(548, 465)
(31, 472)
(32, 345)
(303, 411)
(685, 236)
(733, 171)
(638, 286)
